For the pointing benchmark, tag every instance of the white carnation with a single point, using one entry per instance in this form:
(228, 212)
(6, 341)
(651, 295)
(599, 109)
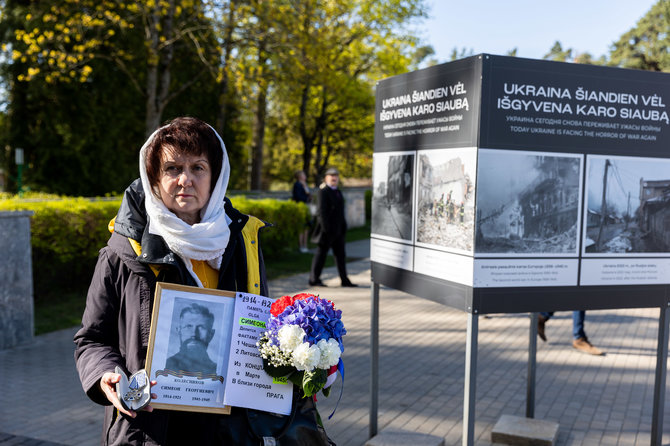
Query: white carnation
(330, 353)
(290, 337)
(306, 357)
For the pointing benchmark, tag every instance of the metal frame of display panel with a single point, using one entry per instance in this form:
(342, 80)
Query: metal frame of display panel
(505, 300)
(494, 103)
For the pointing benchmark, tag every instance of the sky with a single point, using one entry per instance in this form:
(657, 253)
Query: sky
(623, 178)
(531, 26)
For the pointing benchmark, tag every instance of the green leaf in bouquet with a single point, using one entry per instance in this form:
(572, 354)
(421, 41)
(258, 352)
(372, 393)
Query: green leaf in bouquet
(275, 371)
(296, 378)
(314, 381)
(326, 391)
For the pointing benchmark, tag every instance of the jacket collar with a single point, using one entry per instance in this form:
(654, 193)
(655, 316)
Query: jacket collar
(131, 218)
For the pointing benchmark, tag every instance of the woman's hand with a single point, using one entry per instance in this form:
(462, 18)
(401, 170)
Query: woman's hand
(108, 387)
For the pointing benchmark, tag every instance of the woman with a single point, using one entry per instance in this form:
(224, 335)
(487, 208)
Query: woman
(174, 225)
(301, 195)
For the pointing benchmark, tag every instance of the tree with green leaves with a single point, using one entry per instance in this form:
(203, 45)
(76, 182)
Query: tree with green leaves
(332, 55)
(288, 80)
(557, 53)
(61, 41)
(647, 45)
(88, 80)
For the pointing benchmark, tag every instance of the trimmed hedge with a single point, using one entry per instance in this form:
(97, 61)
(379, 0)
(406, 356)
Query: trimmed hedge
(67, 233)
(288, 219)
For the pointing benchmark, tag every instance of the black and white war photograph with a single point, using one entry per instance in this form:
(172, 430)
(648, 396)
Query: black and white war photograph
(528, 203)
(446, 198)
(393, 186)
(628, 206)
(195, 342)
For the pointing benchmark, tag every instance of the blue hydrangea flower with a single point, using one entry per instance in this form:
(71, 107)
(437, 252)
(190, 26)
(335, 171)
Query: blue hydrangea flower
(316, 316)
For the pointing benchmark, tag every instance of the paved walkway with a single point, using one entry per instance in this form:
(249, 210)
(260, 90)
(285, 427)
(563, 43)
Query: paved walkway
(596, 400)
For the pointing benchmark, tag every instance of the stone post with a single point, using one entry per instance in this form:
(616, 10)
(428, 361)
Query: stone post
(354, 206)
(16, 280)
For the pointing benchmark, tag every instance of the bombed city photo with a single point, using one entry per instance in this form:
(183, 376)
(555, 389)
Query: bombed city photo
(527, 203)
(446, 198)
(393, 179)
(628, 205)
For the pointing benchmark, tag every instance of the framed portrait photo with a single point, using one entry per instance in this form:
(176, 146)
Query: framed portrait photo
(189, 347)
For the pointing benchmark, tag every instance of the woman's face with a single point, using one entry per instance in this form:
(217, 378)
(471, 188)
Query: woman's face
(184, 183)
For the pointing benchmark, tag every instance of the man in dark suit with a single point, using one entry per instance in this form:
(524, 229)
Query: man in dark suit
(330, 229)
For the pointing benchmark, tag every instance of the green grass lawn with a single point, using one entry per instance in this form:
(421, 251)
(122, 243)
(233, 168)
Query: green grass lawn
(361, 233)
(63, 309)
(58, 311)
(291, 263)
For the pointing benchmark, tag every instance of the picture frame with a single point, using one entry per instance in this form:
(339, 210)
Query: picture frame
(189, 346)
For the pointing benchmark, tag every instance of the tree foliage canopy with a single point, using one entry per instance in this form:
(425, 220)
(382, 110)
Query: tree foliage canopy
(88, 80)
(289, 84)
(647, 45)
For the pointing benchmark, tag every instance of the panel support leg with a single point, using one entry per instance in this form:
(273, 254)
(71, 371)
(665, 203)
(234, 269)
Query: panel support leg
(374, 359)
(532, 367)
(470, 380)
(659, 383)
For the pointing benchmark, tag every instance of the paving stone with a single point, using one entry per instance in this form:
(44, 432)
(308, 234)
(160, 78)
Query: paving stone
(421, 376)
(393, 437)
(18, 440)
(524, 431)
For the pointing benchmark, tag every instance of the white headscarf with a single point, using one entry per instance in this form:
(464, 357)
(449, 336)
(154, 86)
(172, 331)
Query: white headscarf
(206, 240)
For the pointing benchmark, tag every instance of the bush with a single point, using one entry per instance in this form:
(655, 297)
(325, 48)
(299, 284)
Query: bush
(288, 218)
(30, 195)
(67, 233)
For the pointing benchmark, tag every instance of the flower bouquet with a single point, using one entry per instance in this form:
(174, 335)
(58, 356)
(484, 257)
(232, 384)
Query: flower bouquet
(303, 342)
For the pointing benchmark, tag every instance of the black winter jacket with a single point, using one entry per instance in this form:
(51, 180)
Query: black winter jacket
(116, 323)
(331, 223)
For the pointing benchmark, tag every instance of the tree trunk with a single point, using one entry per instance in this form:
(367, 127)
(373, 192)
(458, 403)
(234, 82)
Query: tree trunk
(329, 151)
(158, 68)
(227, 51)
(320, 163)
(259, 136)
(152, 118)
(307, 140)
(317, 159)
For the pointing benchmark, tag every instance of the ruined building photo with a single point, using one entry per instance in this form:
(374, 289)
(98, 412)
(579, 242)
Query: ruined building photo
(540, 216)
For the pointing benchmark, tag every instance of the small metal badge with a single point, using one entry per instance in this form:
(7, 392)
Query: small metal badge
(136, 394)
(135, 387)
(269, 441)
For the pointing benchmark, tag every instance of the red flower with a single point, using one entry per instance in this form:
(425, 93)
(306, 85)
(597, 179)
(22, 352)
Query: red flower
(302, 296)
(279, 305)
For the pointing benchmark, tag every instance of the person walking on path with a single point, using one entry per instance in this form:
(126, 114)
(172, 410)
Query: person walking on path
(330, 230)
(580, 341)
(301, 194)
